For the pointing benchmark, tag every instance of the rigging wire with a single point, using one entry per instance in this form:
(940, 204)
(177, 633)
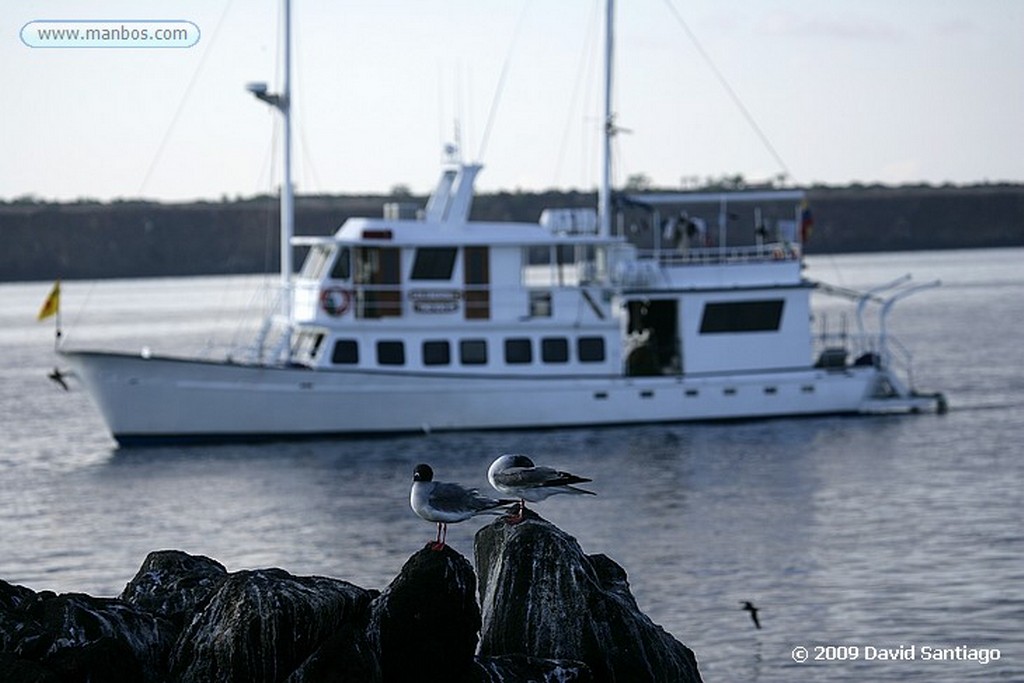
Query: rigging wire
(501, 80)
(733, 95)
(309, 171)
(184, 98)
(586, 61)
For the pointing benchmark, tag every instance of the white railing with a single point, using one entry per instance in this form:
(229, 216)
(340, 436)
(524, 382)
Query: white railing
(704, 256)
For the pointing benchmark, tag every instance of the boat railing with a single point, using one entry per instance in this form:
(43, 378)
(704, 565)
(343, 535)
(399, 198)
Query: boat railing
(839, 349)
(708, 256)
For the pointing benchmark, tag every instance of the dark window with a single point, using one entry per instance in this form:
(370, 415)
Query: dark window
(540, 304)
(742, 316)
(590, 349)
(346, 352)
(434, 263)
(436, 353)
(473, 352)
(391, 353)
(518, 351)
(379, 270)
(342, 266)
(476, 267)
(554, 350)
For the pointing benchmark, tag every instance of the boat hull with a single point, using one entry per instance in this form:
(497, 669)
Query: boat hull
(163, 399)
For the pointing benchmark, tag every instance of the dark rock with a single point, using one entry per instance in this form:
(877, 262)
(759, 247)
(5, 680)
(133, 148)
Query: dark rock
(424, 625)
(14, 669)
(543, 597)
(523, 669)
(262, 625)
(13, 628)
(82, 638)
(345, 657)
(173, 584)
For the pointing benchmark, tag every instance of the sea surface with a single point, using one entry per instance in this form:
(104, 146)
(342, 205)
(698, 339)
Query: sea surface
(856, 537)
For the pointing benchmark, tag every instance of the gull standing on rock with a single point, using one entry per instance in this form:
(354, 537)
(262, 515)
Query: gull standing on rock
(447, 503)
(516, 475)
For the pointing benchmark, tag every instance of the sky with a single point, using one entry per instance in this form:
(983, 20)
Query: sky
(832, 92)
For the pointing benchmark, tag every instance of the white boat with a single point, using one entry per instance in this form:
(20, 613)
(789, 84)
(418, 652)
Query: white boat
(426, 321)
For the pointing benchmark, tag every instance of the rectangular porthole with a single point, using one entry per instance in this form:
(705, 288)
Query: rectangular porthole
(647, 393)
(600, 395)
(771, 391)
(807, 388)
(692, 393)
(729, 391)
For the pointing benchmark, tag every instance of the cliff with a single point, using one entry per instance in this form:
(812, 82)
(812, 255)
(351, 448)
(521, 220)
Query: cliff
(547, 612)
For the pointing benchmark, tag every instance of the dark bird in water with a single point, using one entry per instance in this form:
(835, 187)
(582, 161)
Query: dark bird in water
(749, 607)
(57, 376)
(516, 475)
(447, 503)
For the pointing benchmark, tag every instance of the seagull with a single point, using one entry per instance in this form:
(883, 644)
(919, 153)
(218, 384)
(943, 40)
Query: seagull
(446, 503)
(57, 376)
(516, 475)
(749, 607)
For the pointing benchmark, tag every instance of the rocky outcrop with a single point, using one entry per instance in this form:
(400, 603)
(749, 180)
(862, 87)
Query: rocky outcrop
(547, 613)
(425, 624)
(262, 625)
(173, 584)
(542, 596)
(79, 637)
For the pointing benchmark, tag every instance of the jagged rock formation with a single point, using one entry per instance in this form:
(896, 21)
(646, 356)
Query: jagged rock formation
(425, 624)
(262, 625)
(78, 637)
(173, 584)
(550, 614)
(544, 597)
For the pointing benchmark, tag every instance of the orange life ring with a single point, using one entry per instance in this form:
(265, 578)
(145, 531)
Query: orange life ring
(335, 300)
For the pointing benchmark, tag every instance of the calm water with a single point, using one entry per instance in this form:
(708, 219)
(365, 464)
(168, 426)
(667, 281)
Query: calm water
(880, 532)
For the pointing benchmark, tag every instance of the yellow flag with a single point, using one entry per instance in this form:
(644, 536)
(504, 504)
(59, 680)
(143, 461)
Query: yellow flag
(52, 304)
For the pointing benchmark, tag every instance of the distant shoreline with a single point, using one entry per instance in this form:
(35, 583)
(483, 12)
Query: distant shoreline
(121, 239)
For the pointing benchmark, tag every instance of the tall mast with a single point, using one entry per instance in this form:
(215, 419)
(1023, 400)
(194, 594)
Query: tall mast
(283, 103)
(287, 197)
(604, 199)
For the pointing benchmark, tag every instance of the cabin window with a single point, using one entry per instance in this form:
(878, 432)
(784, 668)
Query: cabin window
(306, 345)
(518, 351)
(315, 263)
(436, 353)
(540, 304)
(377, 271)
(590, 349)
(473, 352)
(346, 352)
(554, 350)
(343, 265)
(742, 316)
(477, 277)
(390, 353)
(434, 263)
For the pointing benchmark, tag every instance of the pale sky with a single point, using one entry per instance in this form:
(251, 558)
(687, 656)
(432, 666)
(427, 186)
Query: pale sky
(890, 91)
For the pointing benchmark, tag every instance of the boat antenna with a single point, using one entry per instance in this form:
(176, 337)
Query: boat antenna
(608, 128)
(282, 102)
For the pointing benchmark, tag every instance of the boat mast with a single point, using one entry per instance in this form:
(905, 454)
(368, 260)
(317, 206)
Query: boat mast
(283, 103)
(287, 196)
(604, 209)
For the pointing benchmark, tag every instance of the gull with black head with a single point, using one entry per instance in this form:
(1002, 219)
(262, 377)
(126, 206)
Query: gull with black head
(446, 503)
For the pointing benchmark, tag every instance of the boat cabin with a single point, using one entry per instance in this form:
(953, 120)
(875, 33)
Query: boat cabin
(437, 293)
